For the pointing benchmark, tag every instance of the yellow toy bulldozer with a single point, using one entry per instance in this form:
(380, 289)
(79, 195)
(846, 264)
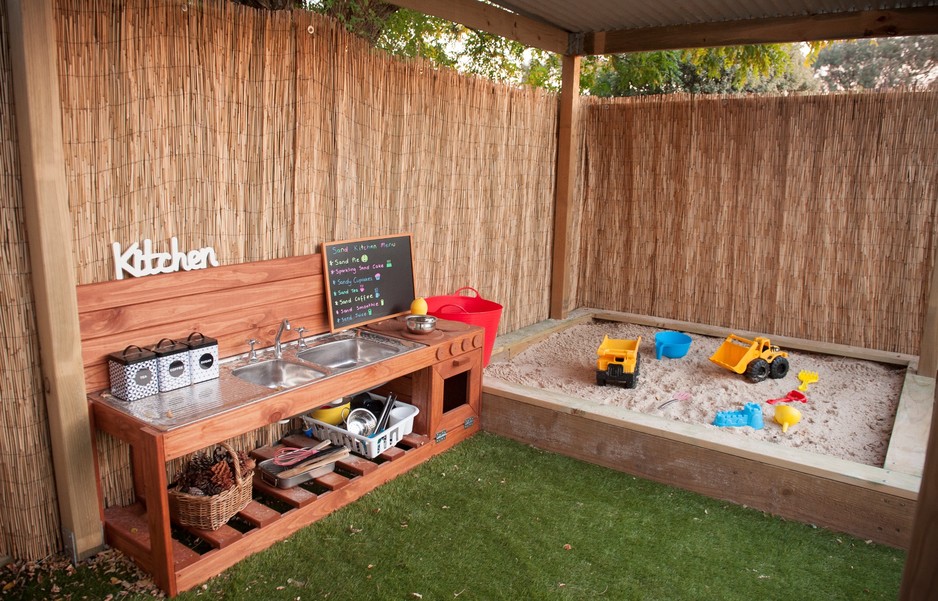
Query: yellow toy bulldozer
(618, 361)
(756, 359)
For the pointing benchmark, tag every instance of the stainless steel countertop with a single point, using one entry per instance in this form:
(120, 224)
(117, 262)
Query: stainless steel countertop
(167, 411)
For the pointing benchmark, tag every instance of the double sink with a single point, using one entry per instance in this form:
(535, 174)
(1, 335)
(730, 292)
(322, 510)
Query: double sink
(326, 355)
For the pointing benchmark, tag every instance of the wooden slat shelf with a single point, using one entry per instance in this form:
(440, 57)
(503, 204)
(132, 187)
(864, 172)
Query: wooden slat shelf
(130, 522)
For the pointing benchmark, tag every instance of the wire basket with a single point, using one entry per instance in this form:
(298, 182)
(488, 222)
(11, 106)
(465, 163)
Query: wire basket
(212, 512)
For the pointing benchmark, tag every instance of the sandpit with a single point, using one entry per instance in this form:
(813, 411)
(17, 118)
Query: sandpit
(849, 412)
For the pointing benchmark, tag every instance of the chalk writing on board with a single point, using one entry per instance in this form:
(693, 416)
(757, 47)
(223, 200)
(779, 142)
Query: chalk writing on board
(368, 280)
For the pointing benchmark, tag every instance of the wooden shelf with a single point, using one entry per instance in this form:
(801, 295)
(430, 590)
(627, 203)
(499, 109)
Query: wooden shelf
(127, 527)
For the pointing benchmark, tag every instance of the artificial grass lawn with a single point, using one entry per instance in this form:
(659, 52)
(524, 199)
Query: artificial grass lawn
(494, 519)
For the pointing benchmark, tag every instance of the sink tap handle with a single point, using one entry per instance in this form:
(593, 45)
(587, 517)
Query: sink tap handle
(301, 341)
(253, 356)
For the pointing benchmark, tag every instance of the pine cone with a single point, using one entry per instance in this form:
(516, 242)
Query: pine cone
(245, 462)
(222, 479)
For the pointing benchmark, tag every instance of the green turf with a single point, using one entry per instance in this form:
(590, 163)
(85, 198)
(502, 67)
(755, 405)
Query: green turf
(493, 519)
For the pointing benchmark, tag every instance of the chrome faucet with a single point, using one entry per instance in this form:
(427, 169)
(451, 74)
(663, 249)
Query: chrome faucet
(284, 325)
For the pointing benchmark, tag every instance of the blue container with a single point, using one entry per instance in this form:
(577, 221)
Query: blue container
(673, 345)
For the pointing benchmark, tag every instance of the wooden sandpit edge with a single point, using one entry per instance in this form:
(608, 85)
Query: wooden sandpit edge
(869, 502)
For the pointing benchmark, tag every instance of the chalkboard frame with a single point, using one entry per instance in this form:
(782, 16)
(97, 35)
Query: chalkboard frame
(401, 289)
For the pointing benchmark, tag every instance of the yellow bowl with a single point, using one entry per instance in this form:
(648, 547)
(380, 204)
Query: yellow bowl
(333, 415)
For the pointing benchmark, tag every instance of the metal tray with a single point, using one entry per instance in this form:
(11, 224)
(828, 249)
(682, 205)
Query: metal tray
(269, 474)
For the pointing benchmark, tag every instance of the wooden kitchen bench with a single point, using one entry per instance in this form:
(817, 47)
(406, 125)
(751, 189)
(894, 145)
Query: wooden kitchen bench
(443, 379)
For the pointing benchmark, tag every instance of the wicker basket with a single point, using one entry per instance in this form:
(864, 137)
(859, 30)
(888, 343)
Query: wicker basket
(211, 513)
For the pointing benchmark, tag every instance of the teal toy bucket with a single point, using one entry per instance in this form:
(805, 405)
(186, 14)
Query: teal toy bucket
(673, 345)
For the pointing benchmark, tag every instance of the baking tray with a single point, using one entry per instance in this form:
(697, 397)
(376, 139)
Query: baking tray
(270, 472)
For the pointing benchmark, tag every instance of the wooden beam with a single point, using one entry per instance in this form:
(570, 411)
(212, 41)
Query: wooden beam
(920, 578)
(49, 231)
(563, 195)
(808, 28)
(493, 19)
(928, 345)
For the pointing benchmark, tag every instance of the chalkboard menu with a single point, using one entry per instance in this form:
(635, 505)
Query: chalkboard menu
(368, 280)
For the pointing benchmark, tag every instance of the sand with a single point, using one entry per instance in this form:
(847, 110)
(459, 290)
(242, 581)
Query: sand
(849, 411)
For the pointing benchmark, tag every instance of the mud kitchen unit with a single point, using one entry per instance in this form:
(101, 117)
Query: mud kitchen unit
(439, 373)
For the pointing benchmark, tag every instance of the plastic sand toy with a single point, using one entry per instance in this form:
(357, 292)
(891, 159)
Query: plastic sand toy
(672, 345)
(792, 397)
(757, 359)
(678, 396)
(750, 415)
(806, 377)
(618, 361)
(787, 415)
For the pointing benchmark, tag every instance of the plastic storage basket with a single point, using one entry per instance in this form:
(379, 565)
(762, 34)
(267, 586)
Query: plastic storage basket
(473, 310)
(367, 446)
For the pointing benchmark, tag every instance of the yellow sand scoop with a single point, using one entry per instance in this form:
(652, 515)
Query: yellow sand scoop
(806, 377)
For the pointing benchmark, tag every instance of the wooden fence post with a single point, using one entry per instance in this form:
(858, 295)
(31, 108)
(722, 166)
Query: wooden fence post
(563, 195)
(928, 345)
(49, 231)
(920, 577)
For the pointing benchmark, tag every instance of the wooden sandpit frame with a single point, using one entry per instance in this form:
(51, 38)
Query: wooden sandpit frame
(868, 502)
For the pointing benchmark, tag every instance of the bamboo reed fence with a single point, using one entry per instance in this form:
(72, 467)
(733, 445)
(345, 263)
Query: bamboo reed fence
(263, 134)
(805, 216)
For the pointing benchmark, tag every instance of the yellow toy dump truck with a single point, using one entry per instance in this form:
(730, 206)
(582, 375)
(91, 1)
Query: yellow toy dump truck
(757, 359)
(618, 361)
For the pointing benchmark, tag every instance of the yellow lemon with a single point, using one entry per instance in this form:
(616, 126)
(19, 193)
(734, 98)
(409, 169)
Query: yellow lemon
(418, 306)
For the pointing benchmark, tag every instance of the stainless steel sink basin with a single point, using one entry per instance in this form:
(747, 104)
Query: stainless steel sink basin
(277, 373)
(346, 353)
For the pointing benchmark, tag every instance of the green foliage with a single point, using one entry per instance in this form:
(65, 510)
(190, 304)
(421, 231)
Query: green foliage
(906, 62)
(752, 69)
(366, 18)
(410, 34)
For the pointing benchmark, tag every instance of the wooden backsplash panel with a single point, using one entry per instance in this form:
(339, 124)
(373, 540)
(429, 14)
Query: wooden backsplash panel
(231, 303)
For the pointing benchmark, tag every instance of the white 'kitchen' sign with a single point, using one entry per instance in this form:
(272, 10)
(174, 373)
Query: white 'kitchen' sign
(139, 262)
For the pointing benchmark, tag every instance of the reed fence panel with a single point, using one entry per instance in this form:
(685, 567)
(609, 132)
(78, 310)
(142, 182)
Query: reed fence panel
(264, 134)
(805, 216)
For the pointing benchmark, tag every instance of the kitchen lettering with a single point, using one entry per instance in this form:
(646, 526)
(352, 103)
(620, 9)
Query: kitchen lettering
(138, 263)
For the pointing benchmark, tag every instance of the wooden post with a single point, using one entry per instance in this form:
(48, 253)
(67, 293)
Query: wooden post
(920, 578)
(49, 231)
(563, 195)
(928, 345)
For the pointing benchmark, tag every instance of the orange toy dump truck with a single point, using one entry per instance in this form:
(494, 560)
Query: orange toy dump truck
(757, 359)
(618, 361)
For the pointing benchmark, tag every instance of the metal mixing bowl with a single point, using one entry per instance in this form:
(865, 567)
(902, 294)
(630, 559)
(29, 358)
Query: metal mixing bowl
(420, 324)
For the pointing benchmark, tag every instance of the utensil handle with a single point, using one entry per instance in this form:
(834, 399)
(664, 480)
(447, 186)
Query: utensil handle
(385, 414)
